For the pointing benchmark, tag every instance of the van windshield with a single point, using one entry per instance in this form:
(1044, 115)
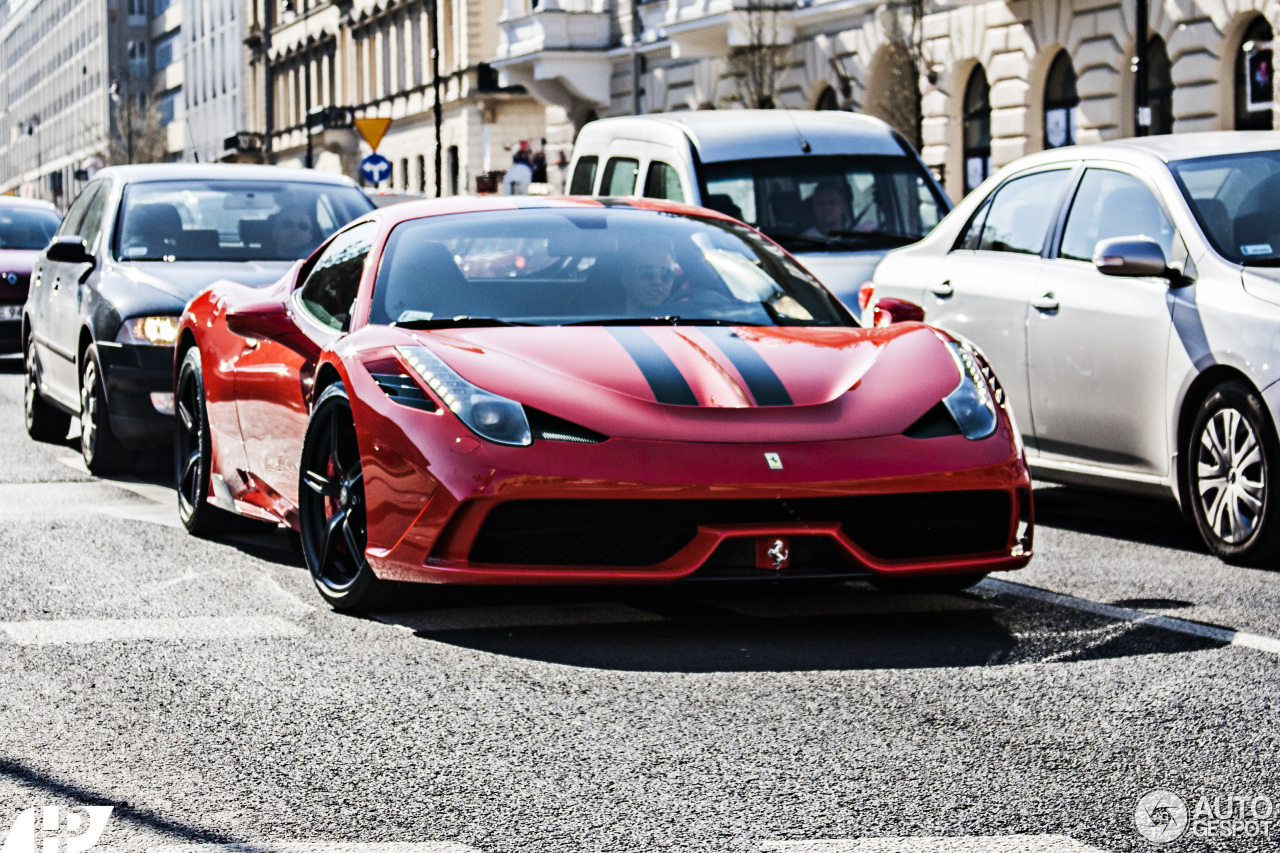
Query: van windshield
(839, 203)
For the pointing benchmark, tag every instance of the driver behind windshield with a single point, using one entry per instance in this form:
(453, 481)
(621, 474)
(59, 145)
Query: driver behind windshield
(832, 208)
(647, 280)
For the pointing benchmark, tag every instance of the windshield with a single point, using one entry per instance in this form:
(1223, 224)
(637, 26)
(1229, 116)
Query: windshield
(231, 220)
(1236, 200)
(828, 203)
(27, 228)
(553, 266)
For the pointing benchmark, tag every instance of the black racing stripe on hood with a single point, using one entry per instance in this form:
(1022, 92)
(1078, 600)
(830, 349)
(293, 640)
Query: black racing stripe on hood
(665, 379)
(763, 383)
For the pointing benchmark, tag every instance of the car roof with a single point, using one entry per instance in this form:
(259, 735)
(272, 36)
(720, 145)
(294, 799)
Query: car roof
(19, 201)
(397, 213)
(220, 171)
(1167, 148)
(721, 135)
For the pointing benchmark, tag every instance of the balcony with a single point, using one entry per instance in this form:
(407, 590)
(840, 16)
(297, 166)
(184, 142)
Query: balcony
(557, 50)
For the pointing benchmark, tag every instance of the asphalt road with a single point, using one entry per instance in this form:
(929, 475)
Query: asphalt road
(203, 691)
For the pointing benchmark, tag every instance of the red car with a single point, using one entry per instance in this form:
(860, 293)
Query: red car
(572, 391)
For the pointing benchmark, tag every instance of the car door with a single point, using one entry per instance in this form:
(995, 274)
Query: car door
(59, 317)
(982, 289)
(1098, 345)
(274, 378)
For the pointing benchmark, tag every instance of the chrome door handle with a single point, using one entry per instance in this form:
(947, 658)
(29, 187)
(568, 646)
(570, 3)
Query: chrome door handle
(944, 290)
(1047, 303)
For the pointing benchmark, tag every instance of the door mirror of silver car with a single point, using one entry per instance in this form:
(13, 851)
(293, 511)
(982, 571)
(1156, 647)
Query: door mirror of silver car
(1132, 257)
(68, 249)
(889, 310)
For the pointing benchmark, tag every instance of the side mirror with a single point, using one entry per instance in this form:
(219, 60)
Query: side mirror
(261, 320)
(68, 249)
(1132, 257)
(889, 310)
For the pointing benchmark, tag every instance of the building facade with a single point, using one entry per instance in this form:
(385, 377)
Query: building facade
(992, 80)
(213, 59)
(313, 66)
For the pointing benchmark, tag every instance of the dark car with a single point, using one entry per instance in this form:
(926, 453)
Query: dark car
(26, 226)
(138, 242)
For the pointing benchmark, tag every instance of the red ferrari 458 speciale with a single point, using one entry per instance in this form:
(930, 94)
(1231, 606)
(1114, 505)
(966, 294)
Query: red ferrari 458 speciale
(574, 391)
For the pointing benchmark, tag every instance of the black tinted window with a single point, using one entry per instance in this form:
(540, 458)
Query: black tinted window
(75, 216)
(1021, 212)
(619, 177)
(584, 176)
(972, 235)
(334, 280)
(663, 182)
(1112, 204)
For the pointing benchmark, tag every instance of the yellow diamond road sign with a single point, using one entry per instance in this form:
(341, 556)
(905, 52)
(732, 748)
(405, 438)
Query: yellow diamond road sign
(373, 129)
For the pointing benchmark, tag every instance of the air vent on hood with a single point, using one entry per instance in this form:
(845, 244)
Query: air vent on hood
(550, 428)
(404, 391)
(934, 423)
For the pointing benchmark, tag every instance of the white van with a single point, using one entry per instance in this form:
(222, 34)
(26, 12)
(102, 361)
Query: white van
(836, 189)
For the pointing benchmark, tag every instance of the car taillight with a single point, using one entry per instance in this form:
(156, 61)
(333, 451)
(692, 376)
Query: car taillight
(864, 295)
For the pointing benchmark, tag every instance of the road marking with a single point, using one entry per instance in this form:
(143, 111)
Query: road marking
(318, 847)
(1226, 636)
(76, 631)
(518, 616)
(870, 604)
(165, 515)
(162, 510)
(937, 844)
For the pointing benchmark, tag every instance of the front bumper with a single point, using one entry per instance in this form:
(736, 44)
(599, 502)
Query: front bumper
(444, 507)
(130, 374)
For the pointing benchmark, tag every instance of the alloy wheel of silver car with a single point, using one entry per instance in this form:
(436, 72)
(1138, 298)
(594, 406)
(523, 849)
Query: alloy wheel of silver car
(1231, 477)
(1230, 453)
(42, 420)
(103, 453)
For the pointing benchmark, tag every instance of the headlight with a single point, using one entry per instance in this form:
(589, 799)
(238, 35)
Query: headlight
(970, 403)
(496, 418)
(153, 331)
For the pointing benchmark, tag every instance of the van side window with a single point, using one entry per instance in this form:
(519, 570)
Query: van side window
(619, 176)
(584, 176)
(663, 182)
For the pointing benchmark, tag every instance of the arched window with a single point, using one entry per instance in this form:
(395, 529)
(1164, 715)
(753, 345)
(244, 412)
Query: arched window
(977, 129)
(1254, 92)
(1159, 87)
(1060, 102)
(827, 100)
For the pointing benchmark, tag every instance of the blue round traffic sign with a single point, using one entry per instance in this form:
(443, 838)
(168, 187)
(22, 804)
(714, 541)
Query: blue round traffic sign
(375, 168)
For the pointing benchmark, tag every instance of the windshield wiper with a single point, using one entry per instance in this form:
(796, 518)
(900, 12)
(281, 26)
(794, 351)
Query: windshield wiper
(668, 320)
(461, 321)
(902, 239)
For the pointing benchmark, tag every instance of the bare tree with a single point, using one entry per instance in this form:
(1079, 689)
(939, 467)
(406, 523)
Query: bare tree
(755, 66)
(137, 134)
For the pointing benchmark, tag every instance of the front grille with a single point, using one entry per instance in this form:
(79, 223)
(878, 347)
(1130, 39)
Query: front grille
(647, 532)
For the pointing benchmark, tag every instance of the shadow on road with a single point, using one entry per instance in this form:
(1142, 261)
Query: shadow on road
(1147, 521)
(11, 364)
(776, 629)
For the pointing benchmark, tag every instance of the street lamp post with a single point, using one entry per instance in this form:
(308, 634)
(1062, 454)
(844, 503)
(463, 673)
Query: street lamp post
(1142, 123)
(433, 11)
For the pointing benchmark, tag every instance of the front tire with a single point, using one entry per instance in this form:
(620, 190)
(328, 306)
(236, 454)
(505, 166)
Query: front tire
(103, 453)
(193, 454)
(1231, 460)
(43, 421)
(331, 509)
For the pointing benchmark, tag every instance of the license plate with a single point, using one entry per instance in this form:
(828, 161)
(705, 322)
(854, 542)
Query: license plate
(10, 312)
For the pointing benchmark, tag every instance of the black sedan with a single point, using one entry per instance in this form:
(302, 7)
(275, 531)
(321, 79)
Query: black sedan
(138, 242)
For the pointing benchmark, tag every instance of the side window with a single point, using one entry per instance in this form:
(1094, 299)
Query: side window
(969, 239)
(334, 280)
(75, 216)
(584, 176)
(1021, 211)
(93, 217)
(619, 176)
(663, 182)
(1112, 204)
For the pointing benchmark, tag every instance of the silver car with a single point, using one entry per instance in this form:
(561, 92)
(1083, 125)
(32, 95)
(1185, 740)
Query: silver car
(1127, 294)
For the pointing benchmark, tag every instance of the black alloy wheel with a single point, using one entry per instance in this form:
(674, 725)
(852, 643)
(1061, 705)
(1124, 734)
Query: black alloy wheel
(43, 421)
(103, 453)
(193, 453)
(1231, 460)
(331, 508)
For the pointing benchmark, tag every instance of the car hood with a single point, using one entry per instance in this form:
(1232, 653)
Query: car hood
(843, 273)
(184, 279)
(699, 383)
(18, 261)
